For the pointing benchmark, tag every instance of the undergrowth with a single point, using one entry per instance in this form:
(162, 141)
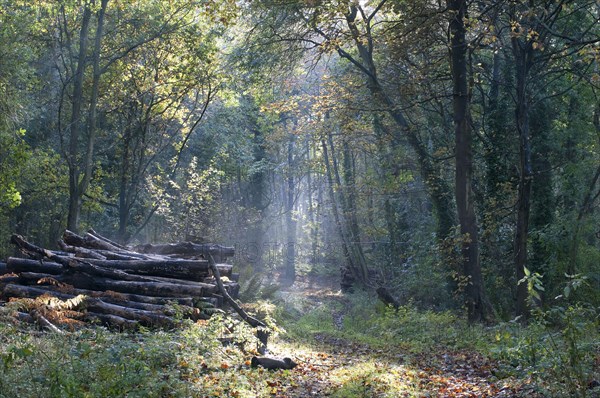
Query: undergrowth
(98, 363)
(558, 351)
(382, 351)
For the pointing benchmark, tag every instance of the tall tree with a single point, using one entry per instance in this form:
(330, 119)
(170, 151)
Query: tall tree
(478, 307)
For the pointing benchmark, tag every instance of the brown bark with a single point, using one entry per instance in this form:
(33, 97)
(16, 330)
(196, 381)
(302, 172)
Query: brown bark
(347, 276)
(273, 363)
(146, 318)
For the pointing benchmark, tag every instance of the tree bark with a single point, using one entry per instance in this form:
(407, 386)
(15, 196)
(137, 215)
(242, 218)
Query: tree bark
(75, 126)
(111, 295)
(188, 249)
(188, 270)
(92, 114)
(290, 223)
(347, 276)
(135, 287)
(478, 307)
(523, 53)
(350, 213)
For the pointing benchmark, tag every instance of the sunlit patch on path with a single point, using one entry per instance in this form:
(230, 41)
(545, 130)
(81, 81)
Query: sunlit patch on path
(339, 367)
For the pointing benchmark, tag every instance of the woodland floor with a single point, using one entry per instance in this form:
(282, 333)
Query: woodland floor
(342, 367)
(346, 346)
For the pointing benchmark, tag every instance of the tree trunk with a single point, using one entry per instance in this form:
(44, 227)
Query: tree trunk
(92, 118)
(478, 307)
(350, 213)
(75, 126)
(347, 277)
(523, 53)
(289, 259)
(312, 217)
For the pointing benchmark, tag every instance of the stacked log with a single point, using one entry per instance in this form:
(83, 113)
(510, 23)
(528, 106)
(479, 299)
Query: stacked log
(99, 280)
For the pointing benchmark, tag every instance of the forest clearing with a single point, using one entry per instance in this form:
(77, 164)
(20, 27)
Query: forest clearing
(294, 198)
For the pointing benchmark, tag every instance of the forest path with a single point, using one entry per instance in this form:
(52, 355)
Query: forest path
(334, 366)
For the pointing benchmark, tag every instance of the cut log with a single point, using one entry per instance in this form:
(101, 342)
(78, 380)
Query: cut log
(70, 262)
(146, 318)
(8, 278)
(89, 241)
(13, 290)
(189, 270)
(124, 297)
(33, 278)
(118, 286)
(83, 281)
(17, 265)
(183, 269)
(273, 363)
(112, 321)
(80, 251)
(97, 235)
(188, 249)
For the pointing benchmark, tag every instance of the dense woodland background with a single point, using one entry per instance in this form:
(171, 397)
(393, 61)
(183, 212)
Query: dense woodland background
(443, 150)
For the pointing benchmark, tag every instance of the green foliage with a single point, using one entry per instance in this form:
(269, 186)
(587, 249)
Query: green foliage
(367, 320)
(98, 363)
(188, 205)
(559, 348)
(13, 156)
(255, 286)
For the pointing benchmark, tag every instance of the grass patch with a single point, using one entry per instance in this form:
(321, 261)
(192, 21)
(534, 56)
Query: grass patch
(374, 379)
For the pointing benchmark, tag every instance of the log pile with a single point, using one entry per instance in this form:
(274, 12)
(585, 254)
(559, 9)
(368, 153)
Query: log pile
(94, 279)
